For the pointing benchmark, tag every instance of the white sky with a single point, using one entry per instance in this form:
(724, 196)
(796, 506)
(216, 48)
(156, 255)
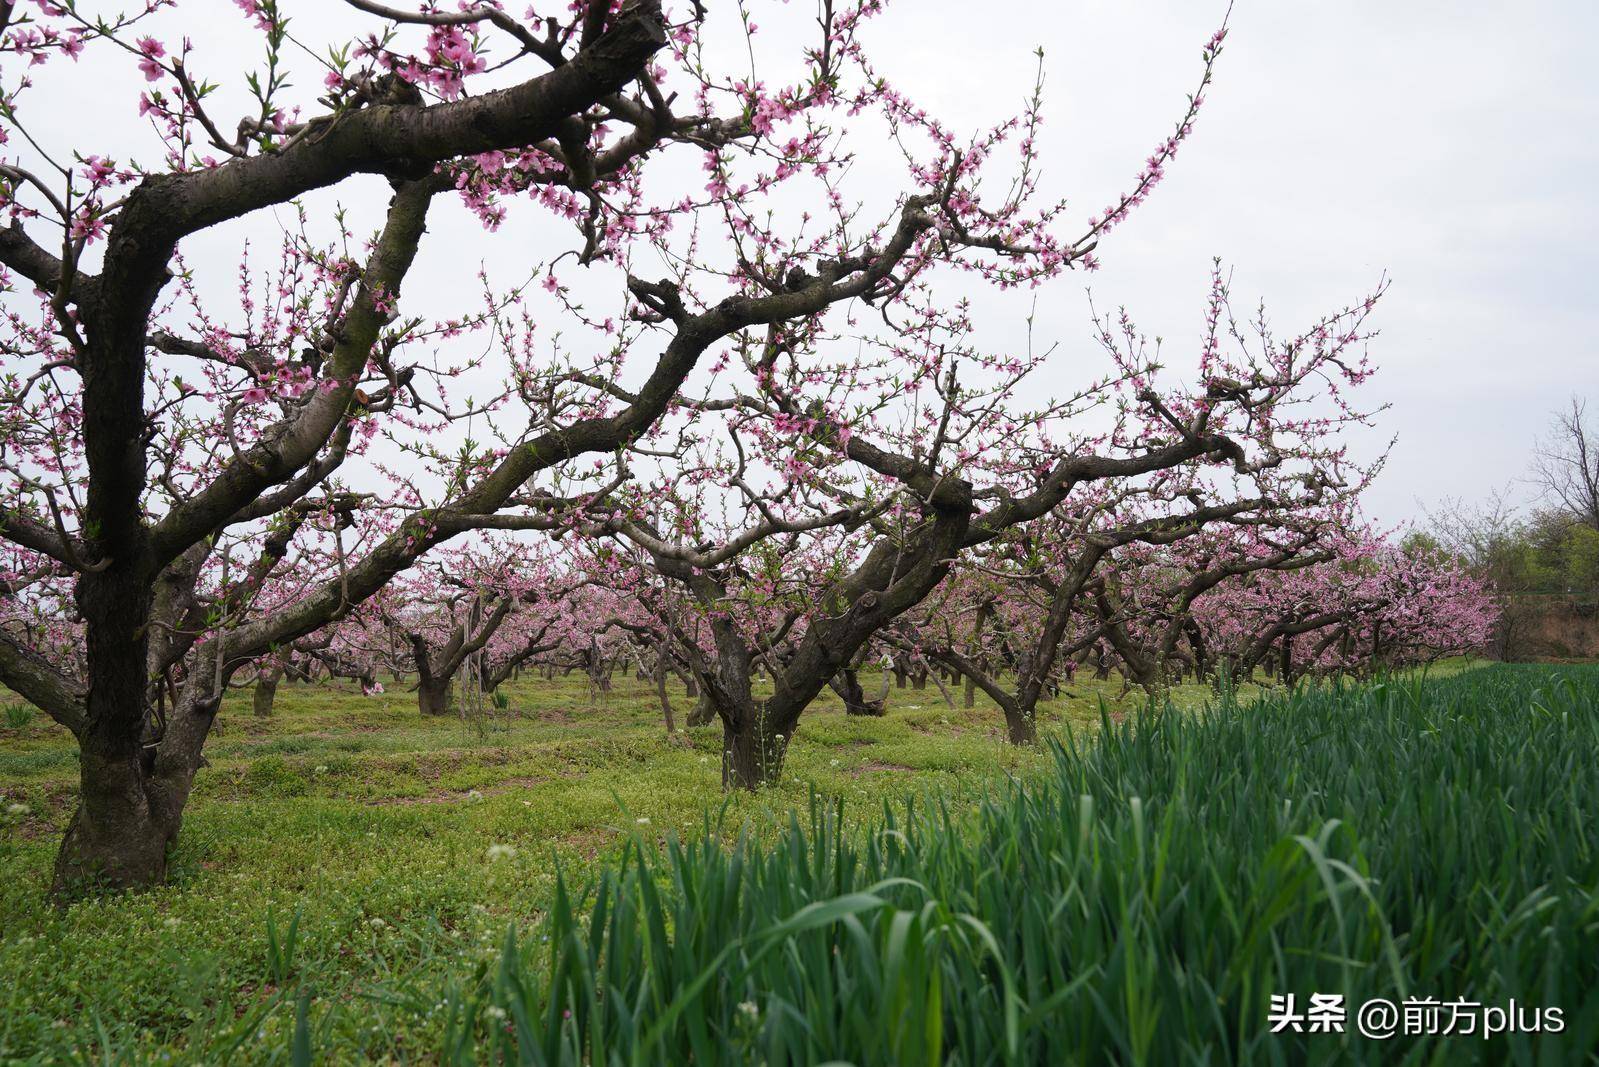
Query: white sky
(1447, 144)
(1450, 144)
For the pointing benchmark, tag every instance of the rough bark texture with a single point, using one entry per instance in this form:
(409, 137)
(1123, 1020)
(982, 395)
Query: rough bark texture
(1020, 726)
(436, 696)
(660, 689)
(266, 691)
(703, 713)
(752, 751)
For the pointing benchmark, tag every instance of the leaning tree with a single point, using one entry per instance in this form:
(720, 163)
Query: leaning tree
(175, 438)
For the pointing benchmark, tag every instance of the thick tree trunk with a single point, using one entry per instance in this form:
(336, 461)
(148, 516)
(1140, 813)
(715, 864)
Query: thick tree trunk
(1021, 727)
(436, 696)
(114, 845)
(130, 809)
(266, 691)
(752, 752)
(118, 836)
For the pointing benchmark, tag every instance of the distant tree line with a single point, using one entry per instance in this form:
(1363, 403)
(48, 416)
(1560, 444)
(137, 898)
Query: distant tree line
(1543, 559)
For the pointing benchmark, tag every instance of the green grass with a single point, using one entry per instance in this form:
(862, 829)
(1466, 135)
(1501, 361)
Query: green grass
(356, 883)
(1137, 902)
(376, 828)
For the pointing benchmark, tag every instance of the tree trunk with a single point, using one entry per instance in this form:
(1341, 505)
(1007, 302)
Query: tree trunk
(117, 838)
(436, 696)
(1021, 727)
(704, 712)
(847, 684)
(660, 690)
(752, 752)
(266, 691)
(131, 808)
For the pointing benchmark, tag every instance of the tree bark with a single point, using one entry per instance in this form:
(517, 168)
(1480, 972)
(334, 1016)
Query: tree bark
(266, 691)
(118, 838)
(436, 696)
(1021, 727)
(660, 688)
(704, 712)
(752, 751)
(119, 834)
(847, 684)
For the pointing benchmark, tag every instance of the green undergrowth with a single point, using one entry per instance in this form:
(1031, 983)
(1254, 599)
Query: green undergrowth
(405, 845)
(566, 884)
(1138, 901)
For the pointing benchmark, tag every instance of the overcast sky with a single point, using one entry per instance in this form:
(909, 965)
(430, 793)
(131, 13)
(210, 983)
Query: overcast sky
(1448, 145)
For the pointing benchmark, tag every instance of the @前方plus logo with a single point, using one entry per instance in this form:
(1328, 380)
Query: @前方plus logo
(1380, 1018)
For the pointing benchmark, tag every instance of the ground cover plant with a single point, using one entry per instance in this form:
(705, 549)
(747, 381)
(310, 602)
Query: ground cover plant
(1137, 902)
(1135, 898)
(405, 843)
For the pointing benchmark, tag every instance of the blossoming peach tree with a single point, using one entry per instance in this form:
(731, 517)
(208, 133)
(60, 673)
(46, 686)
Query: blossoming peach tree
(860, 486)
(197, 474)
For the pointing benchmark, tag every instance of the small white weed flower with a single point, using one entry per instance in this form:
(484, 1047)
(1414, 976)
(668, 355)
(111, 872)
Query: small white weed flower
(494, 1012)
(16, 809)
(643, 820)
(501, 852)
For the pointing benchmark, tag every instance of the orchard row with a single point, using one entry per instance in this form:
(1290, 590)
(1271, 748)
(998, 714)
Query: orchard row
(729, 374)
